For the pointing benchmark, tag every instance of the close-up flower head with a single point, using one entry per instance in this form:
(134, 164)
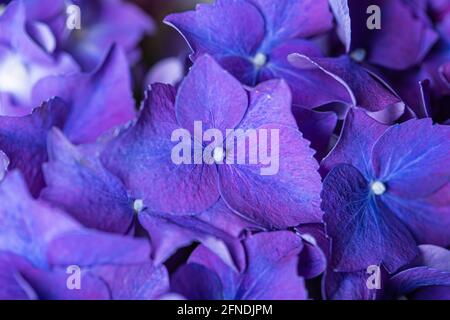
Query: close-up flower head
(224, 150)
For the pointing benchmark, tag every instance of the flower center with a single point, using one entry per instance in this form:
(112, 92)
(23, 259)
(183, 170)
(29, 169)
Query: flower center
(259, 60)
(358, 55)
(138, 205)
(218, 154)
(378, 188)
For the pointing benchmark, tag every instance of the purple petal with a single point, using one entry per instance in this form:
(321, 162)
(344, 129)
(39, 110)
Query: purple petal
(275, 255)
(271, 272)
(366, 91)
(363, 231)
(135, 281)
(288, 195)
(343, 22)
(306, 83)
(27, 225)
(313, 261)
(141, 157)
(221, 29)
(76, 248)
(218, 228)
(211, 95)
(412, 41)
(12, 284)
(197, 282)
(355, 144)
(24, 140)
(410, 157)
(286, 19)
(317, 127)
(78, 184)
(98, 101)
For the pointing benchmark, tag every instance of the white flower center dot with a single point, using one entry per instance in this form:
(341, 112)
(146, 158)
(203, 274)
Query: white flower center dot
(378, 188)
(259, 60)
(358, 55)
(218, 154)
(138, 205)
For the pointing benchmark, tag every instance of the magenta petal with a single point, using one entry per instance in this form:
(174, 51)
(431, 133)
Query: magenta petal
(426, 217)
(141, 157)
(98, 101)
(211, 95)
(78, 184)
(24, 140)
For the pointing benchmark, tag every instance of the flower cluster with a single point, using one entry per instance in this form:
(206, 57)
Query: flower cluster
(345, 101)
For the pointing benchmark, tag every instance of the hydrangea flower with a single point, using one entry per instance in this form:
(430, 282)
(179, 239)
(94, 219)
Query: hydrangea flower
(141, 155)
(38, 243)
(387, 191)
(252, 39)
(213, 189)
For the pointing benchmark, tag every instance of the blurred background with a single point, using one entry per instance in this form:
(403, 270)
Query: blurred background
(165, 42)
